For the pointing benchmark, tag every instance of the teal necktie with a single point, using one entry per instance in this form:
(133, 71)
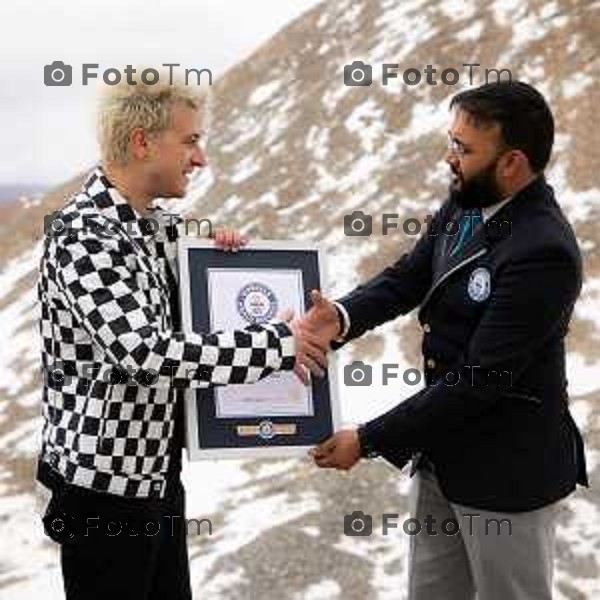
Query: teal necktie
(470, 220)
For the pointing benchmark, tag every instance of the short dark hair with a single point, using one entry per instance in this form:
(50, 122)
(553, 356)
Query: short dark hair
(525, 119)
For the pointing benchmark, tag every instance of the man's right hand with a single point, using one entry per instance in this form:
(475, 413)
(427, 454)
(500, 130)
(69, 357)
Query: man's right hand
(318, 328)
(322, 319)
(311, 351)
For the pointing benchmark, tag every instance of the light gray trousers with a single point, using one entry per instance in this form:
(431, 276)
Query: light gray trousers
(489, 557)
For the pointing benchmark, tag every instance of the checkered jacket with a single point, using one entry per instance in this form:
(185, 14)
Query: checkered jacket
(110, 358)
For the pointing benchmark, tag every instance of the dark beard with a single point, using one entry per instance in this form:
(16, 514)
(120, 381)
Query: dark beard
(479, 191)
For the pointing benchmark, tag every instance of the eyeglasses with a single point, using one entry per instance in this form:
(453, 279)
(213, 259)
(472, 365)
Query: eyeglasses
(456, 147)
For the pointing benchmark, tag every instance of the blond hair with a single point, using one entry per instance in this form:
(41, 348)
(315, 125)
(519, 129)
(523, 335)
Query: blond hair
(124, 107)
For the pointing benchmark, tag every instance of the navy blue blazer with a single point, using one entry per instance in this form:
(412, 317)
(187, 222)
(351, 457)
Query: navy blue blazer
(494, 417)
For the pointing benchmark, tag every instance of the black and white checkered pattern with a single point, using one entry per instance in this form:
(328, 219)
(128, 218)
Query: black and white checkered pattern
(110, 357)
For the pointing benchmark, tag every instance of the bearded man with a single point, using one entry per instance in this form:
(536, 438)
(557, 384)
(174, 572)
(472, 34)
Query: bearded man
(495, 279)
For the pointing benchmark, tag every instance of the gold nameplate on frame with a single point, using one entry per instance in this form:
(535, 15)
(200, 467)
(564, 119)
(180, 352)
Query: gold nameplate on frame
(266, 429)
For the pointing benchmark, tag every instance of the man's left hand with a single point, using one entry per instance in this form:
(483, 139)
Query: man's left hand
(229, 239)
(341, 451)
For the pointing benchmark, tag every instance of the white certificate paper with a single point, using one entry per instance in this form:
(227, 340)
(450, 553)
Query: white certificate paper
(241, 297)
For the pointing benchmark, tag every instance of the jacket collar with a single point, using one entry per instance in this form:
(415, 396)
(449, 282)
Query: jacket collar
(498, 228)
(111, 204)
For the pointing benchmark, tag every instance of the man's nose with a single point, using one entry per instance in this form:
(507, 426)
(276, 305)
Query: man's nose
(452, 160)
(199, 157)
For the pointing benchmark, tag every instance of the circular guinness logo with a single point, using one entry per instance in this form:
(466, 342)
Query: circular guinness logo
(256, 303)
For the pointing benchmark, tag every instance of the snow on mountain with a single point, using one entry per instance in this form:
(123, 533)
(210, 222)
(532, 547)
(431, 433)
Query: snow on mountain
(293, 150)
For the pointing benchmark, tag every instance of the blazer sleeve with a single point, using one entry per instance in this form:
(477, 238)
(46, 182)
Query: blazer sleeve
(397, 290)
(533, 300)
(96, 280)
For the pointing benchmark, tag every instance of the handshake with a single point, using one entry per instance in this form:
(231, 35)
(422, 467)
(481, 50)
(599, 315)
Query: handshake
(313, 334)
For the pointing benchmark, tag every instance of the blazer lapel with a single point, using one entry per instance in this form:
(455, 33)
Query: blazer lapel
(497, 228)
(476, 246)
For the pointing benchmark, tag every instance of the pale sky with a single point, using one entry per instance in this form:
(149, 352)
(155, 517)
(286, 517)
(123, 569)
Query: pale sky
(48, 132)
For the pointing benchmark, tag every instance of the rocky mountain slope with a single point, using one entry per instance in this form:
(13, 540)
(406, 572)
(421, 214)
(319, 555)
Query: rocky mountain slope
(292, 150)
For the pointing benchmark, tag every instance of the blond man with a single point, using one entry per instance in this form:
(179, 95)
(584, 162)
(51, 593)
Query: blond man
(117, 366)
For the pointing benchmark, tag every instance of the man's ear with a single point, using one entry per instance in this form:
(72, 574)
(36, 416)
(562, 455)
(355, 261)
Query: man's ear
(515, 163)
(139, 143)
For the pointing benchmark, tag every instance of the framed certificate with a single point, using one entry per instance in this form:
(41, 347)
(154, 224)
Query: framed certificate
(279, 415)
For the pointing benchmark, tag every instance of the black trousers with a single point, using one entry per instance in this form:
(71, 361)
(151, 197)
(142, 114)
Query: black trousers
(129, 549)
